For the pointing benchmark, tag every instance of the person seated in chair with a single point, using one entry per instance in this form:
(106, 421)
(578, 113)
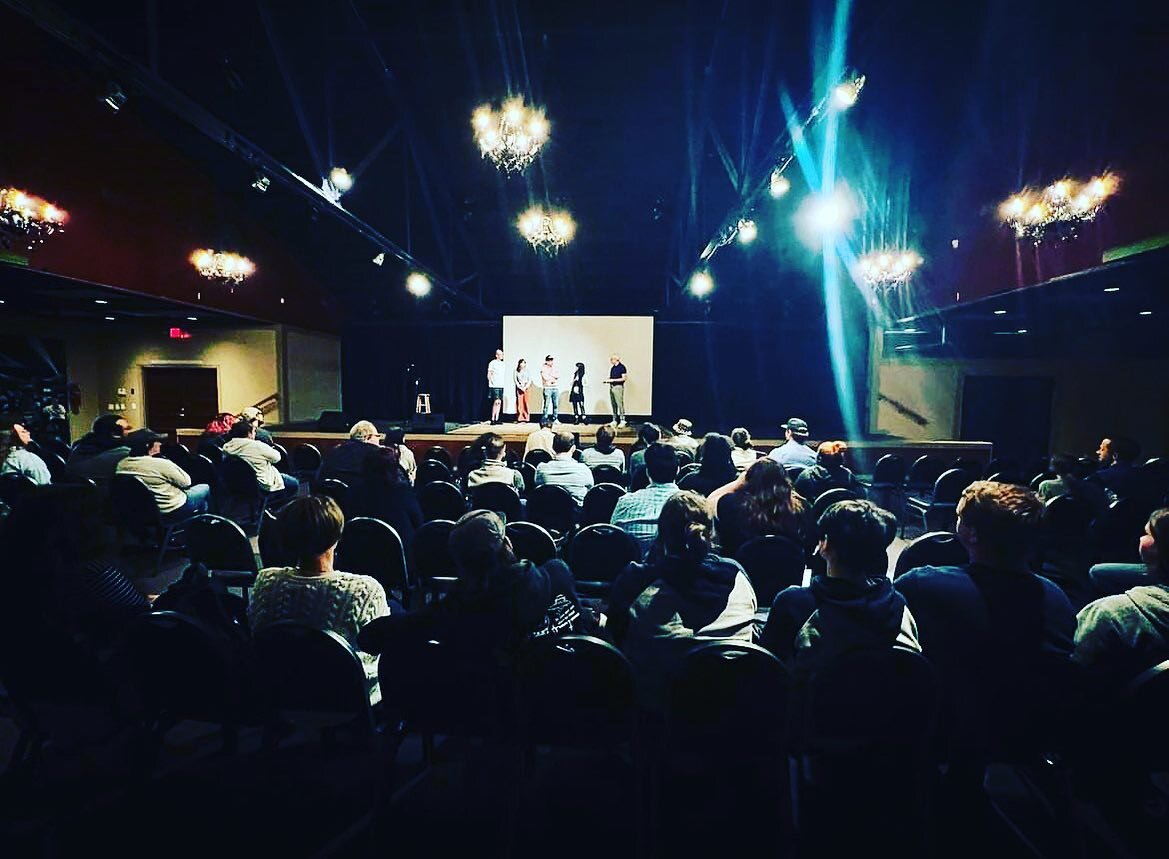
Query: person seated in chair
(851, 608)
(262, 458)
(397, 438)
(541, 439)
(829, 472)
(313, 593)
(1070, 479)
(794, 451)
(646, 435)
(97, 454)
(564, 470)
(498, 602)
(176, 497)
(1118, 471)
(384, 492)
(742, 455)
(347, 461)
(494, 468)
(716, 468)
(684, 437)
(604, 452)
(637, 512)
(16, 458)
(255, 417)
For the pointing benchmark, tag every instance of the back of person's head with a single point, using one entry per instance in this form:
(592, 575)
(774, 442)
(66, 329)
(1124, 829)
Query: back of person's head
(496, 448)
(772, 507)
(310, 526)
(546, 422)
(9, 439)
(830, 454)
(716, 457)
(605, 436)
(240, 429)
(108, 425)
(563, 442)
(684, 526)
(1004, 519)
(362, 431)
(397, 435)
(741, 438)
(1155, 544)
(1125, 449)
(478, 543)
(385, 467)
(1064, 465)
(649, 433)
(661, 463)
(858, 533)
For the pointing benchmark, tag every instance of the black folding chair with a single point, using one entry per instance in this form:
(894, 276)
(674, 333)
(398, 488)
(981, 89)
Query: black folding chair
(933, 549)
(433, 471)
(941, 505)
(14, 486)
(772, 564)
(272, 551)
(537, 457)
(793, 472)
(688, 469)
(432, 566)
(338, 490)
(284, 466)
(306, 461)
(56, 466)
(441, 500)
(552, 507)
(529, 472)
(887, 487)
(499, 498)
(242, 490)
(827, 499)
(531, 542)
(597, 554)
(924, 473)
(1116, 532)
(373, 548)
(136, 513)
(222, 547)
(599, 503)
(438, 453)
(606, 473)
(202, 470)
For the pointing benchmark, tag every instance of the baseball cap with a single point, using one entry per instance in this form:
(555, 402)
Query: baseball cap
(140, 440)
(683, 425)
(797, 426)
(251, 413)
(476, 539)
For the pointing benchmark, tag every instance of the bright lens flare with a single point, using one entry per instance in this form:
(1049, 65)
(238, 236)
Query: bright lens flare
(779, 186)
(885, 269)
(511, 136)
(341, 179)
(748, 231)
(546, 230)
(1061, 206)
(222, 265)
(29, 217)
(418, 284)
(701, 283)
(845, 94)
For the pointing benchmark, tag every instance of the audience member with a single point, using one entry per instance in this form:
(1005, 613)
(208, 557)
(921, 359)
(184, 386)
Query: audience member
(397, 438)
(637, 512)
(384, 492)
(794, 451)
(206, 598)
(1120, 636)
(683, 437)
(564, 470)
(16, 458)
(348, 460)
(498, 602)
(215, 435)
(761, 504)
(494, 468)
(242, 442)
(96, 454)
(854, 607)
(687, 595)
(716, 469)
(1070, 480)
(829, 472)
(742, 455)
(313, 593)
(604, 453)
(176, 497)
(646, 435)
(1118, 471)
(255, 417)
(541, 439)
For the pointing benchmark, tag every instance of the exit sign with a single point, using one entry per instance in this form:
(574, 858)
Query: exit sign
(179, 334)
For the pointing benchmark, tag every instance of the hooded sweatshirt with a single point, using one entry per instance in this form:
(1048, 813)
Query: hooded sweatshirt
(1124, 634)
(261, 458)
(96, 456)
(809, 627)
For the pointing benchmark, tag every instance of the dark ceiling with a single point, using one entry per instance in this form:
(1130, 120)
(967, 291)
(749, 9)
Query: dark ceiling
(662, 116)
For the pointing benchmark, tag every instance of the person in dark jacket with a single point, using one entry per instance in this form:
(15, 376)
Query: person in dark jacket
(1118, 471)
(854, 606)
(96, 454)
(347, 461)
(716, 469)
(384, 492)
(829, 472)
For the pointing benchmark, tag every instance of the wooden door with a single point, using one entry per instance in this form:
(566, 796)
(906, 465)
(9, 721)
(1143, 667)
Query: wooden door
(179, 397)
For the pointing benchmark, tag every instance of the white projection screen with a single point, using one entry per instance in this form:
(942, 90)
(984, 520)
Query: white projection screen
(590, 340)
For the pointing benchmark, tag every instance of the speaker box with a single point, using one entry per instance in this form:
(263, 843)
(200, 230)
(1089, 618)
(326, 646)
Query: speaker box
(333, 422)
(432, 423)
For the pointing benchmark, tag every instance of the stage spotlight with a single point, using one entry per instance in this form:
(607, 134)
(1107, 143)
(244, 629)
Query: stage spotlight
(261, 183)
(418, 284)
(379, 259)
(341, 179)
(847, 92)
(115, 97)
(748, 231)
(780, 185)
(701, 283)
(830, 213)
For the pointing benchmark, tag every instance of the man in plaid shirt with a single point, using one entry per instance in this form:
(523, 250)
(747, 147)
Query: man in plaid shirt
(637, 513)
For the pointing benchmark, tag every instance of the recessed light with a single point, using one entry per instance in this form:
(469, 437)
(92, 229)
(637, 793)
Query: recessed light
(1000, 313)
(1021, 331)
(109, 319)
(1112, 289)
(100, 301)
(192, 318)
(1146, 313)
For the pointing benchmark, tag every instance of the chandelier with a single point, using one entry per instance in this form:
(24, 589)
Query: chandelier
(547, 230)
(227, 268)
(888, 269)
(511, 136)
(1059, 208)
(27, 219)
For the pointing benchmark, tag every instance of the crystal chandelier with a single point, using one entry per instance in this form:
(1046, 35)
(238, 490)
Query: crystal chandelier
(511, 136)
(227, 268)
(27, 219)
(887, 269)
(1059, 208)
(547, 230)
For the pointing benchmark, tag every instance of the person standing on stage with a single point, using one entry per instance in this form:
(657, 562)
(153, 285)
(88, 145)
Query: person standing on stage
(576, 395)
(523, 380)
(549, 378)
(616, 383)
(496, 371)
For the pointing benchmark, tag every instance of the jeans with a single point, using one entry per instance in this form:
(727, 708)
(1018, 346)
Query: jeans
(617, 400)
(1111, 579)
(195, 504)
(552, 398)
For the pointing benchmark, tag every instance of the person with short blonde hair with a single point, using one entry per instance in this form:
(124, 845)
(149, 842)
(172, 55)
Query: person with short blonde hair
(350, 460)
(365, 431)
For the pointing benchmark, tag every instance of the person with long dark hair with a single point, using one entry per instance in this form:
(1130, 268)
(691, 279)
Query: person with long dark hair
(16, 458)
(716, 468)
(576, 394)
(764, 503)
(384, 492)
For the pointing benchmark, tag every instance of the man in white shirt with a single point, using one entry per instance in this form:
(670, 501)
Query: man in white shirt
(565, 471)
(795, 450)
(176, 497)
(549, 379)
(242, 442)
(496, 373)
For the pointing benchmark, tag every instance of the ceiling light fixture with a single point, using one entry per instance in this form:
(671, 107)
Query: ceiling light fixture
(511, 136)
(100, 301)
(261, 183)
(778, 185)
(114, 97)
(418, 284)
(701, 283)
(1000, 313)
(546, 230)
(379, 259)
(336, 184)
(1112, 289)
(1059, 208)
(229, 268)
(888, 269)
(1146, 313)
(748, 231)
(26, 219)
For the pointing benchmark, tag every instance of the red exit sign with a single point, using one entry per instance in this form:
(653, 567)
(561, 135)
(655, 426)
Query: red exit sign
(179, 334)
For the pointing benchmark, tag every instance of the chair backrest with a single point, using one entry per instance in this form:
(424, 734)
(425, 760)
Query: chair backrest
(729, 689)
(692, 482)
(968, 464)
(498, 497)
(537, 457)
(688, 469)
(132, 504)
(432, 471)
(599, 503)
(935, 549)
(683, 456)
(284, 466)
(338, 490)
(373, 548)
(430, 554)
(1000, 466)
(272, 551)
(793, 472)
(312, 677)
(575, 690)
(1067, 517)
(598, 553)
(52, 444)
(219, 543)
(1116, 532)
(889, 470)
(239, 478)
(529, 472)
(1006, 477)
(202, 470)
(531, 542)
(183, 669)
(177, 453)
(438, 453)
(306, 458)
(949, 485)
(1039, 478)
(639, 479)
(441, 500)
(552, 507)
(828, 498)
(13, 487)
(1146, 703)
(55, 464)
(924, 472)
(772, 564)
(606, 473)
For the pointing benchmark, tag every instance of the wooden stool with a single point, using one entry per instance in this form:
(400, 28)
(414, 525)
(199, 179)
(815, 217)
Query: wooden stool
(422, 404)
